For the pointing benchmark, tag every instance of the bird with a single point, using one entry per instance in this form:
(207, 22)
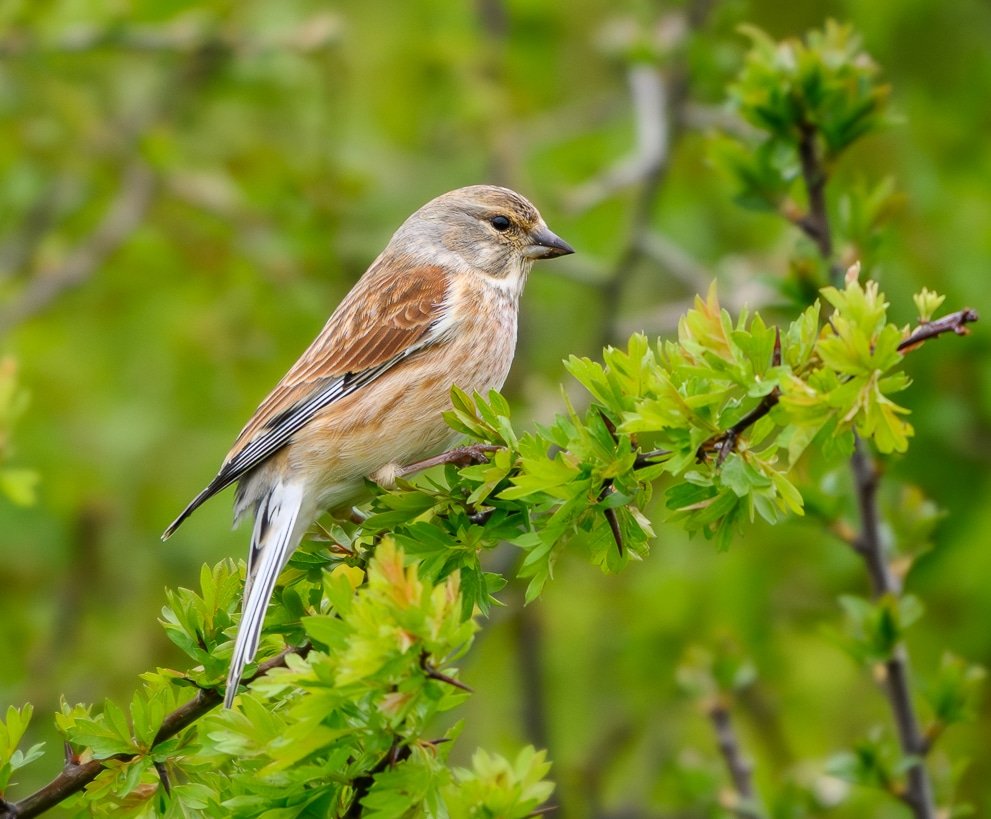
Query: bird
(437, 308)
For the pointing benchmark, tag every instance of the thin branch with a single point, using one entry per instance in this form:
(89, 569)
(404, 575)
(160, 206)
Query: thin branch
(460, 456)
(869, 544)
(950, 323)
(363, 784)
(740, 769)
(815, 223)
(434, 674)
(75, 775)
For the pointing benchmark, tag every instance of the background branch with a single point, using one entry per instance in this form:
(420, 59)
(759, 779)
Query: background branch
(123, 215)
(738, 766)
(869, 543)
(659, 99)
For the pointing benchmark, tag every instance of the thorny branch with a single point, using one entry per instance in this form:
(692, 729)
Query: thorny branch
(868, 543)
(400, 749)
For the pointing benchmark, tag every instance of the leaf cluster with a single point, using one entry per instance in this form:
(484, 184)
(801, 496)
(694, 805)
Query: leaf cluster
(804, 103)
(376, 672)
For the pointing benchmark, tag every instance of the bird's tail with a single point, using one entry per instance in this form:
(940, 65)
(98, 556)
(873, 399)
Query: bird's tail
(276, 533)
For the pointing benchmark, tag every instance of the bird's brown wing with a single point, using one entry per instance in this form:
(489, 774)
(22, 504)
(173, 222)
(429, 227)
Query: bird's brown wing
(392, 313)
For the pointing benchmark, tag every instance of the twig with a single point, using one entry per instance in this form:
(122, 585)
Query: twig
(739, 767)
(815, 223)
(724, 443)
(460, 456)
(434, 674)
(869, 544)
(951, 323)
(363, 784)
(75, 775)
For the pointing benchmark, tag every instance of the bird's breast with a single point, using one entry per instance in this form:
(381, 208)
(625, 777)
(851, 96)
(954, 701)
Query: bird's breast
(398, 417)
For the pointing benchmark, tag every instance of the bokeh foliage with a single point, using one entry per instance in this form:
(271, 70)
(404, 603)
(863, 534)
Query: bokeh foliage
(264, 152)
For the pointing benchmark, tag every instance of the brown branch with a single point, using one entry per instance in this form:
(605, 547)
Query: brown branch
(950, 323)
(869, 544)
(434, 674)
(460, 456)
(897, 679)
(363, 784)
(739, 767)
(815, 223)
(75, 775)
(724, 443)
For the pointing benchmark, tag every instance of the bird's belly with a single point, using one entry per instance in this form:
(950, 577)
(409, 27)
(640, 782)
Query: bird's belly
(396, 419)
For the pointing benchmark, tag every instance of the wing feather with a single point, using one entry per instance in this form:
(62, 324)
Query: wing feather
(391, 313)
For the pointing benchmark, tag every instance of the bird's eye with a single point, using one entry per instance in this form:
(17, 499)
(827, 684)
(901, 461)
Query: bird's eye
(500, 223)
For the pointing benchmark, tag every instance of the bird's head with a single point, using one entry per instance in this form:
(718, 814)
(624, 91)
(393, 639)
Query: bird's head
(488, 229)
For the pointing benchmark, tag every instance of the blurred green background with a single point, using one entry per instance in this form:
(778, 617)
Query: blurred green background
(188, 189)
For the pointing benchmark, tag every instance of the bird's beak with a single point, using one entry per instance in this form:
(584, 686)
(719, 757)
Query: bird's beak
(546, 245)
